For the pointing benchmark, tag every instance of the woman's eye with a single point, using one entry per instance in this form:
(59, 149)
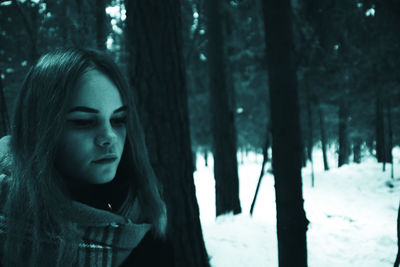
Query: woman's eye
(118, 121)
(81, 123)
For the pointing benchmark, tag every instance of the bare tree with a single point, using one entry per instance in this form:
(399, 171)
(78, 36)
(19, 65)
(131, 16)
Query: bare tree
(157, 75)
(222, 119)
(286, 146)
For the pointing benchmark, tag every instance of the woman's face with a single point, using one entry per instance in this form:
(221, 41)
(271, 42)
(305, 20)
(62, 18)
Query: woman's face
(93, 140)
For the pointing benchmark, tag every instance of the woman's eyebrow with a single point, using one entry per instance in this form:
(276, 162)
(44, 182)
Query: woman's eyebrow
(92, 110)
(83, 109)
(123, 108)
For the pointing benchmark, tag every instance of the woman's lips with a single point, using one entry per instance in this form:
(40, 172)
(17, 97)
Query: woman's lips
(105, 160)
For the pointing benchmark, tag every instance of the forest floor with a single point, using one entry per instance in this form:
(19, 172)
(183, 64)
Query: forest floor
(352, 212)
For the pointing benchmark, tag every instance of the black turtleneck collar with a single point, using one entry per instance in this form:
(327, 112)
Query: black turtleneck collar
(108, 196)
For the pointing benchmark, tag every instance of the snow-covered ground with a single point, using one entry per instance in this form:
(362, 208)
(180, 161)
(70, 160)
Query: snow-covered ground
(352, 212)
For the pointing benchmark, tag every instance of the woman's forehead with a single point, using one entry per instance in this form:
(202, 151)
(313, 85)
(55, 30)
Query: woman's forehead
(95, 90)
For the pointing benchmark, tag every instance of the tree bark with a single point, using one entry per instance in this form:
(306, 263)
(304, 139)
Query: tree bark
(343, 134)
(390, 136)
(205, 157)
(158, 76)
(286, 147)
(265, 160)
(323, 137)
(357, 150)
(310, 134)
(379, 124)
(31, 27)
(101, 36)
(222, 122)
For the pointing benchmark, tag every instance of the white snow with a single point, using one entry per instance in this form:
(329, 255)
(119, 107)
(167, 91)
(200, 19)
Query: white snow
(352, 212)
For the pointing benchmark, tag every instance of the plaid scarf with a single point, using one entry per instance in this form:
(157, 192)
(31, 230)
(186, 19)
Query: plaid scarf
(107, 239)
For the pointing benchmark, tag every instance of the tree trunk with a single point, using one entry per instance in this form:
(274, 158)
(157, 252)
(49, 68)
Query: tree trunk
(343, 134)
(390, 136)
(357, 150)
(286, 146)
(310, 134)
(64, 22)
(157, 73)
(303, 153)
(323, 136)
(101, 36)
(397, 261)
(4, 120)
(206, 157)
(380, 137)
(265, 160)
(31, 26)
(223, 125)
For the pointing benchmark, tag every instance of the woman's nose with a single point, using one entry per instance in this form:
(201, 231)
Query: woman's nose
(106, 137)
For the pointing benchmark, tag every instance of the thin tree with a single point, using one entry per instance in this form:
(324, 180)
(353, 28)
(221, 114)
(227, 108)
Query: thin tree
(286, 146)
(323, 135)
(29, 18)
(157, 74)
(100, 10)
(310, 142)
(343, 133)
(379, 126)
(390, 136)
(222, 121)
(262, 172)
(397, 261)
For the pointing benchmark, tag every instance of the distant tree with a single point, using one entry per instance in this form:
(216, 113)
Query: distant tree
(223, 116)
(157, 74)
(310, 139)
(379, 126)
(29, 14)
(264, 162)
(286, 146)
(390, 135)
(323, 135)
(100, 12)
(344, 146)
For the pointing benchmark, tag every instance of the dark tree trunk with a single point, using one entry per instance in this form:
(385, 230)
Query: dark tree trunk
(265, 160)
(100, 10)
(64, 23)
(157, 73)
(4, 120)
(222, 122)
(344, 149)
(397, 261)
(85, 36)
(380, 137)
(303, 153)
(206, 157)
(357, 150)
(389, 149)
(310, 134)
(323, 137)
(286, 146)
(29, 18)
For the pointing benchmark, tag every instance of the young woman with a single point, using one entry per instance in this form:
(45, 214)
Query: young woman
(77, 188)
